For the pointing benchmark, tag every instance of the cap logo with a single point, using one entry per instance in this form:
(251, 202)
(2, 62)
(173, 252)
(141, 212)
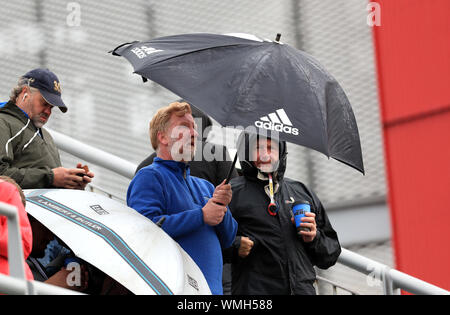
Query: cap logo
(57, 86)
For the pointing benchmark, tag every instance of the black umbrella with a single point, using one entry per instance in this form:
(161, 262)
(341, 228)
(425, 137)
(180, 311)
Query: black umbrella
(254, 82)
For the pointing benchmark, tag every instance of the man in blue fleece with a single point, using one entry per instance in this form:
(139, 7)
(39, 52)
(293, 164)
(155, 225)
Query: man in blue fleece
(196, 213)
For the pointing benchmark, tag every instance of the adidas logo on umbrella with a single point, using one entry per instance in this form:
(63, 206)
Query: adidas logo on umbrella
(278, 121)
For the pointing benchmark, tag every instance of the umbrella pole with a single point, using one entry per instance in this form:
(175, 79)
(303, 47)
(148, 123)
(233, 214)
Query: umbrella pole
(231, 169)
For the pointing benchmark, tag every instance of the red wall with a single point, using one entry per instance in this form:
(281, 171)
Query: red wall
(413, 61)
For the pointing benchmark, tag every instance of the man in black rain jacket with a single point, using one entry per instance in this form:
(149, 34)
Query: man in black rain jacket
(268, 255)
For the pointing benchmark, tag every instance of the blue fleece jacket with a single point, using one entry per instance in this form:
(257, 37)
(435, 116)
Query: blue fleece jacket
(165, 188)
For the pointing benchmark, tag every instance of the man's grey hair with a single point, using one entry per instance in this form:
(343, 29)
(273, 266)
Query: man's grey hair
(19, 87)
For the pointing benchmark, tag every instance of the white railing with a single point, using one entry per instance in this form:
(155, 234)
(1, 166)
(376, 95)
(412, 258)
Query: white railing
(16, 283)
(15, 286)
(15, 252)
(334, 286)
(94, 188)
(93, 155)
(391, 279)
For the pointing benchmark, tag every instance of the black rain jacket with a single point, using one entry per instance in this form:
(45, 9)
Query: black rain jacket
(280, 262)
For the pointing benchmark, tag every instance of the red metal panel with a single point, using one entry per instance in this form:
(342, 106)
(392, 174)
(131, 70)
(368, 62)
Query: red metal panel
(413, 60)
(419, 197)
(413, 43)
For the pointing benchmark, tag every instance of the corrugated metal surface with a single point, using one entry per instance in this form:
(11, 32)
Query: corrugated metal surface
(357, 282)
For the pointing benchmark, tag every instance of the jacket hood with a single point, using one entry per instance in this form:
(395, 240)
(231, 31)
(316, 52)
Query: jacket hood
(249, 170)
(12, 109)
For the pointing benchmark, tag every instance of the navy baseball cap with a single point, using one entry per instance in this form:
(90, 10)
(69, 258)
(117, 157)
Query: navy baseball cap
(48, 84)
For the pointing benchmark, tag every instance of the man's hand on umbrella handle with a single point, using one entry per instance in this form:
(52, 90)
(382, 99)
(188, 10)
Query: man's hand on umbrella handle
(222, 194)
(213, 213)
(245, 247)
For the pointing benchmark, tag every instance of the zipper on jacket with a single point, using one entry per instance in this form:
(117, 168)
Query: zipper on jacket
(189, 187)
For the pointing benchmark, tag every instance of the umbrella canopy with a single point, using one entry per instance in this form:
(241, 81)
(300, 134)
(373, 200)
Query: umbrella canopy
(254, 82)
(117, 240)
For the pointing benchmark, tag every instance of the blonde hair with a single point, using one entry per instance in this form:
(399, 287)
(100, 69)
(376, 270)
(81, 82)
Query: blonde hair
(160, 122)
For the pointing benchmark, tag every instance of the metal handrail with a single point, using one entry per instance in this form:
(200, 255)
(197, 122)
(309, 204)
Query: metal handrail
(335, 286)
(16, 283)
(93, 155)
(16, 286)
(15, 248)
(391, 278)
(94, 188)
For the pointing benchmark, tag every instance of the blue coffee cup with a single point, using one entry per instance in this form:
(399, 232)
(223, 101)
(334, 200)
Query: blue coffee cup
(300, 208)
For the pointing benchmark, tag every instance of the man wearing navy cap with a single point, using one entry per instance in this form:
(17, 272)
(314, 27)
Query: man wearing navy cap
(27, 151)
